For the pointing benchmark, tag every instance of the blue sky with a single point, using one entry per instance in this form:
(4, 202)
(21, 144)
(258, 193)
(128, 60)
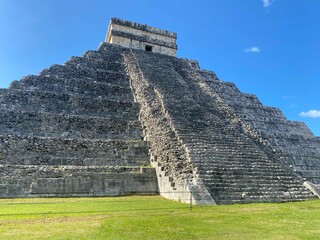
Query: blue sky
(266, 47)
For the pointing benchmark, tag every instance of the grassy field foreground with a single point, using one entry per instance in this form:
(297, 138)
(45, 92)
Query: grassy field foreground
(145, 217)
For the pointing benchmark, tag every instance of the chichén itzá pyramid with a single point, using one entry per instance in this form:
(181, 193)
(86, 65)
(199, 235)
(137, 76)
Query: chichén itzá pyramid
(132, 118)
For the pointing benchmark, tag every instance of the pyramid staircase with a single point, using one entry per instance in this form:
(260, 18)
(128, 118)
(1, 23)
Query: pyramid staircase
(89, 127)
(232, 164)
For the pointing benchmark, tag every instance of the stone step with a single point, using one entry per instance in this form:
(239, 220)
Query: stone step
(222, 143)
(11, 169)
(114, 63)
(264, 187)
(71, 70)
(262, 198)
(71, 126)
(193, 137)
(242, 98)
(217, 171)
(273, 190)
(205, 160)
(314, 172)
(303, 160)
(16, 100)
(215, 153)
(18, 150)
(82, 86)
(248, 196)
(105, 58)
(237, 166)
(308, 169)
(254, 175)
(311, 176)
(260, 111)
(86, 161)
(246, 183)
(107, 51)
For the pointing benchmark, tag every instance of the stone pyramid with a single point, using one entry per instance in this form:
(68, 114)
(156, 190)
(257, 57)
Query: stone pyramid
(132, 118)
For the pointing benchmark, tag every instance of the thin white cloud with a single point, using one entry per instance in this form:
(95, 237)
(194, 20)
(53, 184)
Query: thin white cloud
(252, 50)
(311, 114)
(286, 97)
(267, 3)
(293, 105)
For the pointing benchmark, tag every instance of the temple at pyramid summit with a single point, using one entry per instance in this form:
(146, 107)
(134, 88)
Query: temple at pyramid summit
(132, 118)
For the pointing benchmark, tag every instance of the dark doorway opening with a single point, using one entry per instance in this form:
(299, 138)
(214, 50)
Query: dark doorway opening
(148, 48)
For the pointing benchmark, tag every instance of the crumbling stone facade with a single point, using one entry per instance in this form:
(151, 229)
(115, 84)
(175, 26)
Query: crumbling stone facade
(73, 130)
(95, 125)
(141, 36)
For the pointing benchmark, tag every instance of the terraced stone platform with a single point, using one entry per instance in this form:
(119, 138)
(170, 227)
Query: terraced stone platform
(74, 130)
(233, 158)
(94, 125)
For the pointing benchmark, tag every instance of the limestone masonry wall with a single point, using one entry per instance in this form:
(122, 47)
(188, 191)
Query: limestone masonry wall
(294, 143)
(131, 118)
(232, 160)
(143, 37)
(74, 130)
(65, 181)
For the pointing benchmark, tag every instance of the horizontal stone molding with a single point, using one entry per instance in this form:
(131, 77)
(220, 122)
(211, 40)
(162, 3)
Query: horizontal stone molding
(143, 27)
(145, 39)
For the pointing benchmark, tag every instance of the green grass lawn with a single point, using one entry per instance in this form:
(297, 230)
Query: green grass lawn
(146, 217)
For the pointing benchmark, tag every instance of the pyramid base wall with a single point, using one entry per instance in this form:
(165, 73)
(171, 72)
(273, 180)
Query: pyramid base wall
(48, 181)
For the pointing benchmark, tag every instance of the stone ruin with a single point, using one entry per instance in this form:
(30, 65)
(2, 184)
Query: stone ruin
(132, 118)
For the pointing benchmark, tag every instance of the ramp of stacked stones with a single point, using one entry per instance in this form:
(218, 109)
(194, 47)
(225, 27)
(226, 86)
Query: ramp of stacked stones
(73, 130)
(215, 148)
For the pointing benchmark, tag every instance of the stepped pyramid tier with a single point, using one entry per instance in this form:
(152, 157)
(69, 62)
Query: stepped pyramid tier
(132, 118)
(73, 130)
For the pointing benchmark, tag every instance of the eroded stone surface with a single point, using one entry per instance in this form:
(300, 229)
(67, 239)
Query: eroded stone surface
(140, 36)
(86, 127)
(74, 130)
(235, 161)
